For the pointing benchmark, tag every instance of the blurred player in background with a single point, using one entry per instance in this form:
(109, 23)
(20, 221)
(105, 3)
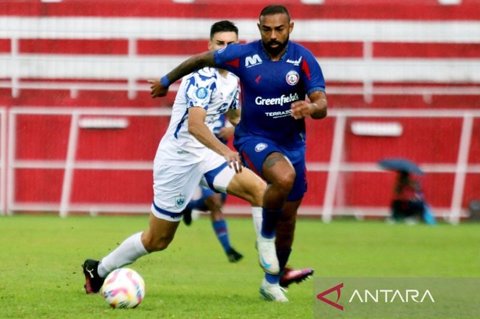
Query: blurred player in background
(276, 76)
(210, 201)
(408, 203)
(189, 153)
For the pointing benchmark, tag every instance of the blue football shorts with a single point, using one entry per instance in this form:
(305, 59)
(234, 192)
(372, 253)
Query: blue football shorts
(254, 150)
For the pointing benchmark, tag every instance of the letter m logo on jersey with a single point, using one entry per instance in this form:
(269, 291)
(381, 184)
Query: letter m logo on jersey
(252, 60)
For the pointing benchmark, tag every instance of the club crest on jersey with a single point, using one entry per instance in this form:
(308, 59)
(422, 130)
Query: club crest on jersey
(260, 147)
(292, 77)
(201, 93)
(179, 200)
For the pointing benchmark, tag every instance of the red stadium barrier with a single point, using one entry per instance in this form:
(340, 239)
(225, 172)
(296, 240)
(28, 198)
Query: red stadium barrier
(61, 164)
(414, 55)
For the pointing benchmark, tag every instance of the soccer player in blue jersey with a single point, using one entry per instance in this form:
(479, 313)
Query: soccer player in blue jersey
(282, 84)
(210, 201)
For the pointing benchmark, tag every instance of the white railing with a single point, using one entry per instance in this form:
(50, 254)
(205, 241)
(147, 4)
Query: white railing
(15, 66)
(132, 88)
(334, 167)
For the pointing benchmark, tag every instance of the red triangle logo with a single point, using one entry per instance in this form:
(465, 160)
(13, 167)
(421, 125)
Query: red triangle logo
(338, 289)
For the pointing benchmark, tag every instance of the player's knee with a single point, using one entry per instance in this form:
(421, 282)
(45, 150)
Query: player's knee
(284, 181)
(257, 192)
(156, 243)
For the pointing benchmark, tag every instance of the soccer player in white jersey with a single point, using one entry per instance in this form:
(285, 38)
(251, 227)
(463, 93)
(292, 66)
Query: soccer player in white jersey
(189, 153)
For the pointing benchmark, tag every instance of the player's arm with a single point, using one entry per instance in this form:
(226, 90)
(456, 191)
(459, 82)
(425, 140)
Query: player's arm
(315, 108)
(194, 63)
(318, 105)
(233, 118)
(197, 127)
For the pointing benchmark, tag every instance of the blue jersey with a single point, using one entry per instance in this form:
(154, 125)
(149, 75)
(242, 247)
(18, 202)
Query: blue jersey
(269, 87)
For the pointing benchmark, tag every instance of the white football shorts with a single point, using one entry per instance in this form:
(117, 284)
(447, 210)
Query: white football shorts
(174, 185)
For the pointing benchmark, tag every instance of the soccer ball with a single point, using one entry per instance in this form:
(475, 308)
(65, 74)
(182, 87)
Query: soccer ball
(123, 288)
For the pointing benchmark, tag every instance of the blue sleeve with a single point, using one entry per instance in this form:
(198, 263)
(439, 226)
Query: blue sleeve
(228, 57)
(312, 74)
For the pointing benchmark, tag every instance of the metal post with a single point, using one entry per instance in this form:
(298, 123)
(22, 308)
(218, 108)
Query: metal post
(69, 165)
(334, 167)
(461, 168)
(11, 154)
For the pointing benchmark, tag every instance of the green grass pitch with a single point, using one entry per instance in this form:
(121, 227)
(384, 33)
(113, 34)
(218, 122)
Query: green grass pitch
(40, 258)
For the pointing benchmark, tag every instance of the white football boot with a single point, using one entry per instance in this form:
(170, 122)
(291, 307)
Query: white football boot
(267, 255)
(272, 292)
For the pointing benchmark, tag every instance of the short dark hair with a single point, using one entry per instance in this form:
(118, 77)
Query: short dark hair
(223, 26)
(274, 9)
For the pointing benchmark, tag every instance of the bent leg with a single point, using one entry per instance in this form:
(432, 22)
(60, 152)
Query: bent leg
(159, 234)
(280, 174)
(157, 237)
(248, 186)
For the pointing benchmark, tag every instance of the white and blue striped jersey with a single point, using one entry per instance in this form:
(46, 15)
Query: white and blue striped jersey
(205, 88)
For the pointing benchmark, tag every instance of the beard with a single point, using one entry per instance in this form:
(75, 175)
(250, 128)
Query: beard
(275, 51)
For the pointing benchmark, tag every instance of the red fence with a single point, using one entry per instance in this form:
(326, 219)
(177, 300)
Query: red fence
(99, 160)
(421, 56)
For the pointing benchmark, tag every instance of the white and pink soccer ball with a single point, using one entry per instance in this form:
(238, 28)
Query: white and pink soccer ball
(123, 288)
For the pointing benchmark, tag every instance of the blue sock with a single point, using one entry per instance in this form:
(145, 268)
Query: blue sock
(272, 279)
(221, 230)
(269, 222)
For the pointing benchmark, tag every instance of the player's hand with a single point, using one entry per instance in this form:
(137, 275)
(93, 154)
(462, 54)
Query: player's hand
(233, 160)
(301, 109)
(157, 89)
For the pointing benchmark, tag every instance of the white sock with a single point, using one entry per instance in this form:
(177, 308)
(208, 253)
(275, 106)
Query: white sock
(129, 250)
(257, 216)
